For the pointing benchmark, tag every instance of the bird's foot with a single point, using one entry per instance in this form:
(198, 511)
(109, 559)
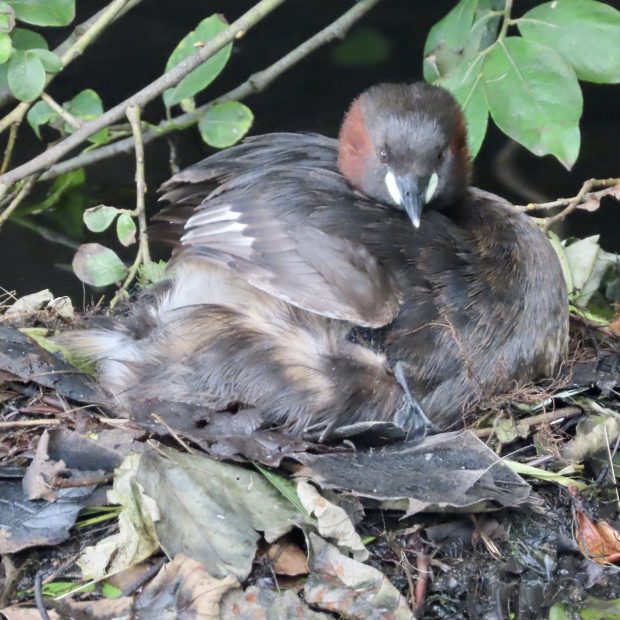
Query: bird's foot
(410, 416)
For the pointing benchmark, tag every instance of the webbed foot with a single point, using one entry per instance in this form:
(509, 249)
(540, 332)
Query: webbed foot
(410, 416)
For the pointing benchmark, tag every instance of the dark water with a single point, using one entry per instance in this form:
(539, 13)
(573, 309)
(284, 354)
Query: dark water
(312, 96)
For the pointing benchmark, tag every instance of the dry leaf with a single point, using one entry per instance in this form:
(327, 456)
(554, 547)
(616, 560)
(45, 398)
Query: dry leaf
(288, 559)
(598, 540)
(593, 199)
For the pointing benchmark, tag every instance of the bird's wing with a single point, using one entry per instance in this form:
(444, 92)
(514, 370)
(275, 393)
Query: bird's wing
(280, 227)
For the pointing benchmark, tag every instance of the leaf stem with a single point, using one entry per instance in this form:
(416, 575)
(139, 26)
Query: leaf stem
(506, 21)
(71, 120)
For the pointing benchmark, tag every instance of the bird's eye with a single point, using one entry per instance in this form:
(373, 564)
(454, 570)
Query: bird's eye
(383, 156)
(440, 156)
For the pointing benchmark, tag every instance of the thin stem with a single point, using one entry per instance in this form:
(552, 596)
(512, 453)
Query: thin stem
(255, 83)
(506, 21)
(131, 274)
(10, 145)
(535, 420)
(570, 204)
(142, 97)
(21, 194)
(133, 114)
(75, 122)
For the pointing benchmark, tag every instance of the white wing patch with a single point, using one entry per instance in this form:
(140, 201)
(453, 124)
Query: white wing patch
(217, 227)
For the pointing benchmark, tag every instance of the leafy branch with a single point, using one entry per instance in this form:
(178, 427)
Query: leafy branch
(168, 80)
(527, 84)
(254, 84)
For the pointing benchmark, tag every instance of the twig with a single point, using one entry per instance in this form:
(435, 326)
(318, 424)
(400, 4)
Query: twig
(611, 463)
(535, 420)
(255, 83)
(143, 255)
(569, 204)
(131, 274)
(147, 575)
(104, 18)
(70, 483)
(133, 114)
(76, 123)
(27, 423)
(10, 145)
(142, 97)
(21, 194)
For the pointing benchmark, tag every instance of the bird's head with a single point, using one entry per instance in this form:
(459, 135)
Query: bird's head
(405, 145)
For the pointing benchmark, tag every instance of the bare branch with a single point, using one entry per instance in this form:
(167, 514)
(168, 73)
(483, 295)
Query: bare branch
(71, 120)
(142, 97)
(17, 200)
(585, 199)
(255, 83)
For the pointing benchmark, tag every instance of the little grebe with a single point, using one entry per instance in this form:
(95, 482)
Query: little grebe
(325, 282)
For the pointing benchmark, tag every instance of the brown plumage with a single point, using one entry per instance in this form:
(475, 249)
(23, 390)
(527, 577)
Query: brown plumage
(302, 279)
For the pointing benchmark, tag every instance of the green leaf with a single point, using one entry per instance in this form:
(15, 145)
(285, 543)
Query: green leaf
(534, 97)
(26, 75)
(44, 12)
(40, 114)
(364, 47)
(152, 273)
(201, 77)
(467, 85)
(585, 32)
(126, 229)
(468, 28)
(284, 486)
(51, 62)
(24, 39)
(99, 218)
(60, 588)
(6, 47)
(446, 40)
(87, 105)
(59, 195)
(97, 265)
(7, 17)
(225, 123)
(110, 591)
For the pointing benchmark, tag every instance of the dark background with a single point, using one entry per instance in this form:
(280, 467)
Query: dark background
(312, 96)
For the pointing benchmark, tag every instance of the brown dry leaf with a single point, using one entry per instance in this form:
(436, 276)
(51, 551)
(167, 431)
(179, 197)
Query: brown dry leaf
(101, 609)
(593, 200)
(354, 590)
(41, 472)
(288, 559)
(333, 521)
(258, 604)
(598, 540)
(615, 324)
(185, 586)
